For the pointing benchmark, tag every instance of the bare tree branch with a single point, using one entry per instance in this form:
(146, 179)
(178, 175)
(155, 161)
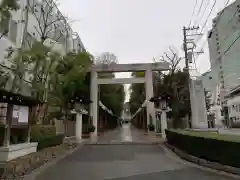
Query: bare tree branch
(173, 59)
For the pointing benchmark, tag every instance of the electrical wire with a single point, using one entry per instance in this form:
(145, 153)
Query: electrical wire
(194, 9)
(205, 23)
(204, 11)
(200, 8)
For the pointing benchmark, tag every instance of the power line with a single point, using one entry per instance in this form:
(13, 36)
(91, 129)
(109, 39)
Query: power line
(205, 23)
(218, 18)
(204, 11)
(193, 12)
(200, 8)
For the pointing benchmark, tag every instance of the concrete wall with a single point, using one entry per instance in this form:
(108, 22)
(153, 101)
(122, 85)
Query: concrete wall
(234, 108)
(226, 30)
(59, 126)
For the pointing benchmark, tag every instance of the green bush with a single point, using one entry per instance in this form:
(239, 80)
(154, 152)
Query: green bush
(88, 128)
(39, 131)
(151, 127)
(49, 141)
(216, 150)
(46, 136)
(91, 128)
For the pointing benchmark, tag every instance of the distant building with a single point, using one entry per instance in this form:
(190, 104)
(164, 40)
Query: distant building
(106, 58)
(234, 107)
(224, 57)
(223, 49)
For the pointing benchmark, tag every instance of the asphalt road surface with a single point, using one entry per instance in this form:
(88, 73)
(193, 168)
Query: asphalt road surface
(132, 161)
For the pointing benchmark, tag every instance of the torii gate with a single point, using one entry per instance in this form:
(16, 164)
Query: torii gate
(148, 68)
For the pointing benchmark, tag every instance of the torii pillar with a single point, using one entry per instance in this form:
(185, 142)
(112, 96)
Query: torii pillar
(94, 99)
(149, 95)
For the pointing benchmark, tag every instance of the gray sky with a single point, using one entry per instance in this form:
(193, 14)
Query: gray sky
(136, 30)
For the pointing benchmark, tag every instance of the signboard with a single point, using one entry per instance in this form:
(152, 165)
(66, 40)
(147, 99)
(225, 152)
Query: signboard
(21, 113)
(15, 111)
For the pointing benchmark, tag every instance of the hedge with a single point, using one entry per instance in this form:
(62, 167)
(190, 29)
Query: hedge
(49, 141)
(215, 150)
(38, 131)
(46, 136)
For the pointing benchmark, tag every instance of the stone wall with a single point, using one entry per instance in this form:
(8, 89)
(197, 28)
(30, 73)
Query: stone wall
(70, 128)
(59, 124)
(16, 168)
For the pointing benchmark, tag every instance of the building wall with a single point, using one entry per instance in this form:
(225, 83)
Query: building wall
(234, 110)
(225, 31)
(68, 41)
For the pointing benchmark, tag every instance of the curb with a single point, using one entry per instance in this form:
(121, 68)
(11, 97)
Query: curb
(125, 143)
(41, 169)
(203, 162)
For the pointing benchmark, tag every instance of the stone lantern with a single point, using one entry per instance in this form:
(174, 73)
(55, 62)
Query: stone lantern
(162, 109)
(78, 109)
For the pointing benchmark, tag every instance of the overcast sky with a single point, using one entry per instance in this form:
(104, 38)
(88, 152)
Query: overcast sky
(137, 30)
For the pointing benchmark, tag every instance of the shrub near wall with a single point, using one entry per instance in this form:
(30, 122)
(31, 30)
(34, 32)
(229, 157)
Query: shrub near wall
(46, 136)
(220, 151)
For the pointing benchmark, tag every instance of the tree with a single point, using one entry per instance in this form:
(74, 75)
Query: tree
(6, 6)
(137, 94)
(174, 85)
(50, 23)
(172, 58)
(111, 95)
(70, 80)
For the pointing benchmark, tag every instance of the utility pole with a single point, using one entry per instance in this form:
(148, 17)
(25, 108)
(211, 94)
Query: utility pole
(186, 41)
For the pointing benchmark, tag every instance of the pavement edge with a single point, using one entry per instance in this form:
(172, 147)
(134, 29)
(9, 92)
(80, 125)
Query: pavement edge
(202, 163)
(41, 169)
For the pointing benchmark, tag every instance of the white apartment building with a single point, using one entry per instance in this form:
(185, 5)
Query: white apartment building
(58, 32)
(42, 18)
(224, 46)
(224, 53)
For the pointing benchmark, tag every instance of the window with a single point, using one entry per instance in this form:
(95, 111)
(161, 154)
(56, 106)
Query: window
(13, 31)
(4, 27)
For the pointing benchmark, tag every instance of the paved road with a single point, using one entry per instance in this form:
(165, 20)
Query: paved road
(114, 161)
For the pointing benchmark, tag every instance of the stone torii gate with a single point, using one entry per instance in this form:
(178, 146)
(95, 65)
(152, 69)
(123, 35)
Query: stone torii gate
(148, 68)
